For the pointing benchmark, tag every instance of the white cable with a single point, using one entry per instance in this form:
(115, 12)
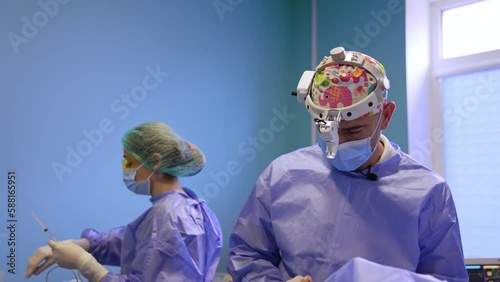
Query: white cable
(78, 277)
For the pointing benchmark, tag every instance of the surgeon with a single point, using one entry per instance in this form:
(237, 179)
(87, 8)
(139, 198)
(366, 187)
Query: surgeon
(353, 195)
(178, 239)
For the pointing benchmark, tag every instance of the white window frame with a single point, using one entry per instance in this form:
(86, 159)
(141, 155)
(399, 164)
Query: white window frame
(423, 49)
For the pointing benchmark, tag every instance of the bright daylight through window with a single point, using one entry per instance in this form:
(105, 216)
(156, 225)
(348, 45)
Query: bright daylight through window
(471, 29)
(470, 140)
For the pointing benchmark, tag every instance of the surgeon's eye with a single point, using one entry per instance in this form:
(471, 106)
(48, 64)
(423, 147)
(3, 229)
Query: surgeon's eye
(353, 131)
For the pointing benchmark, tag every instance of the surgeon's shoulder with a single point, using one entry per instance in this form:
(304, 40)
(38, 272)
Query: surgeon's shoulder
(420, 172)
(304, 159)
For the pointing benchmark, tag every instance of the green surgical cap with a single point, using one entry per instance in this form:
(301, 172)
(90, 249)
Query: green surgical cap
(161, 150)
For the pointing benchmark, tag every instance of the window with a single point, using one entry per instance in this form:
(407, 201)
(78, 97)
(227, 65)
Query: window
(471, 154)
(465, 125)
(470, 29)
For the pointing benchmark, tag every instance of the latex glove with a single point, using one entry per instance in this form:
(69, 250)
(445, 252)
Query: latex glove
(66, 254)
(90, 268)
(72, 256)
(44, 258)
(299, 278)
(39, 261)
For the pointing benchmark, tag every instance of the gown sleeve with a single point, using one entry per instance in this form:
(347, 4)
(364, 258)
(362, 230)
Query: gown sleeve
(253, 251)
(441, 253)
(105, 246)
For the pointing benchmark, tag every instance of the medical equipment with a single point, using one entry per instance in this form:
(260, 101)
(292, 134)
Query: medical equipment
(327, 119)
(483, 269)
(45, 229)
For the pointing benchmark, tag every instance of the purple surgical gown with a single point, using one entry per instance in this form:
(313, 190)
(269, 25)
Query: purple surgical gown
(304, 217)
(178, 239)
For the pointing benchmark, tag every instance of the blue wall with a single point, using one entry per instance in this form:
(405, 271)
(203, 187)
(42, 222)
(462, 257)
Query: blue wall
(76, 75)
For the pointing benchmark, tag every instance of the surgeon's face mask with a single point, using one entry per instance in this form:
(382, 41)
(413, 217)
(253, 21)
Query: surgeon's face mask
(141, 188)
(351, 155)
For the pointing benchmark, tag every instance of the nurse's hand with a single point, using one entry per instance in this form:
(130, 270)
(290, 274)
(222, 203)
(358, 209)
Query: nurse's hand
(72, 256)
(44, 258)
(301, 279)
(39, 261)
(66, 254)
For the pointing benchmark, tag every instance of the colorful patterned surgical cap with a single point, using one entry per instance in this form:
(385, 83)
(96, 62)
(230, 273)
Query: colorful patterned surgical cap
(343, 85)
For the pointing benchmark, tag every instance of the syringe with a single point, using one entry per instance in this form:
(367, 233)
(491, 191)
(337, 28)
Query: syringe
(44, 228)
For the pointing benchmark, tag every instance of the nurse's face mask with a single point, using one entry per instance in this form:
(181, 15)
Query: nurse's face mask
(140, 188)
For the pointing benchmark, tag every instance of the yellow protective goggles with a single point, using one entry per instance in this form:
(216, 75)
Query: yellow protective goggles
(128, 165)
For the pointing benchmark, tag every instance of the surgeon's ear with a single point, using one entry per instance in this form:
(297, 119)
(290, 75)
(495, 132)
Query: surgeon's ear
(387, 112)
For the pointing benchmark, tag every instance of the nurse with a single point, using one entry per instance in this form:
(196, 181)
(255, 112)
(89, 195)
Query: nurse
(177, 239)
(353, 195)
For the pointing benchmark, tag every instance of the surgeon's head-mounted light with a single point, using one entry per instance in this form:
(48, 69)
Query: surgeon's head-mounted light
(327, 119)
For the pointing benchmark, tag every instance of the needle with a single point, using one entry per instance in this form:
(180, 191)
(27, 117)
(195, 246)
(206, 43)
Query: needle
(44, 228)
